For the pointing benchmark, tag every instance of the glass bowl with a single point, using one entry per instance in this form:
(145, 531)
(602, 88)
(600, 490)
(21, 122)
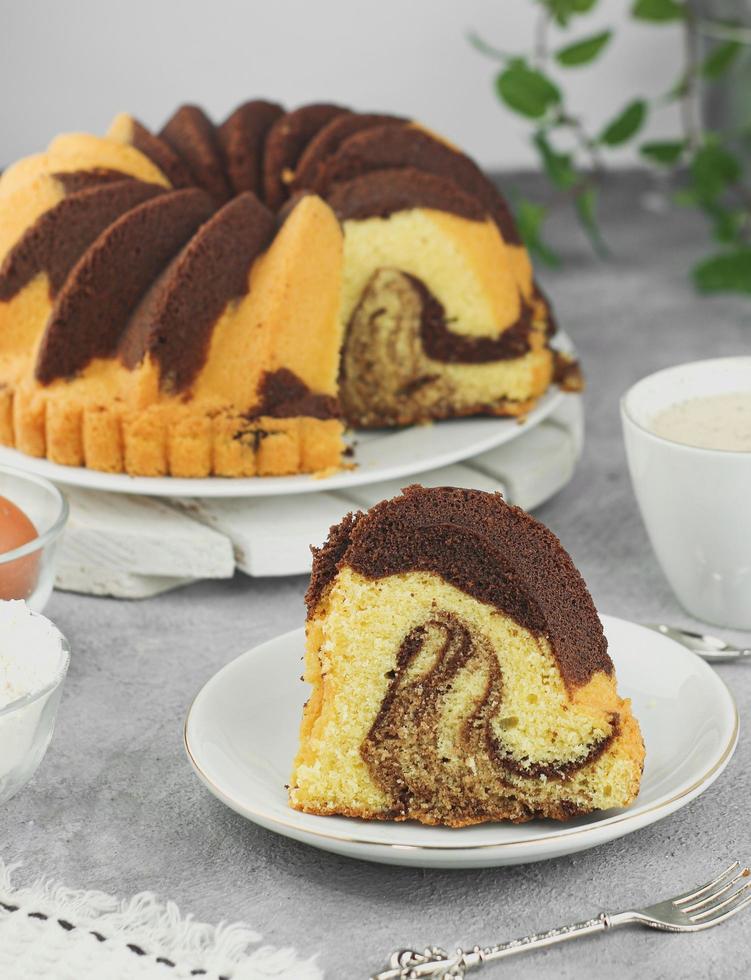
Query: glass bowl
(26, 727)
(28, 572)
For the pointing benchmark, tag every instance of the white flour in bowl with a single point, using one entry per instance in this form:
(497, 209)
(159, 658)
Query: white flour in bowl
(33, 660)
(31, 652)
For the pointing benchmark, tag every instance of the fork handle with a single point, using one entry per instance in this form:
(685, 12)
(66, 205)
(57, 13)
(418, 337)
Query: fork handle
(434, 963)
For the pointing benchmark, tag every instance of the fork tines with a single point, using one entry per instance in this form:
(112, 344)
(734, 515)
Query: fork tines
(720, 898)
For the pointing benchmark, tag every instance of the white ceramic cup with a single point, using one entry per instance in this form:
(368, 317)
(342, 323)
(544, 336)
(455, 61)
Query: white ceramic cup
(696, 503)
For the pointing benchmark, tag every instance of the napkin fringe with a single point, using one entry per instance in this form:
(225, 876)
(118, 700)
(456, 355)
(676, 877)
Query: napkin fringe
(148, 927)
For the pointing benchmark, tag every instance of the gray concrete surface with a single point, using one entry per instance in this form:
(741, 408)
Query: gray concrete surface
(115, 805)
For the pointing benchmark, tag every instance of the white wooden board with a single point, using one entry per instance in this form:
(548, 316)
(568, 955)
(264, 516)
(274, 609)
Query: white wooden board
(143, 536)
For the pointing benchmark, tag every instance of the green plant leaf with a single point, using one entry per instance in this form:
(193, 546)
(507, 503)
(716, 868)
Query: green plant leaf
(558, 166)
(563, 10)
(712, 169)
(665, 153)
(530, 218)
(626, 124)
(727, 271)
(660, 11)
(585, 204)
(727, 223)
(584, 51)
(526, 90)
(720, 59)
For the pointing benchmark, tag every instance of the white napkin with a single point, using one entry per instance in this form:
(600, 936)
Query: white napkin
(50, 932)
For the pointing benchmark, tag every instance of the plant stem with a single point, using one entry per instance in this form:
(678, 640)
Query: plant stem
(585, 141)
(540, 60)
(725, 32)
(481, 45)
(690, 112)
(541, 39)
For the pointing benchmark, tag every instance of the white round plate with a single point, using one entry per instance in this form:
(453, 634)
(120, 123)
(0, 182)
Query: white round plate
(383, 454)
(241, 737)
(380, 455)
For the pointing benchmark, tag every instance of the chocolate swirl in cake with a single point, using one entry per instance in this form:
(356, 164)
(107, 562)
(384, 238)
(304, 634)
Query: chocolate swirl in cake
(398, 338)
(283, 394)
(193, 137)
(499, 555)
(94, 307)
(162, 155)
(330, 137)
(60, 236)
(427, 730)
(175, 320)
(242, 137)
(286, 141)
(442, 344)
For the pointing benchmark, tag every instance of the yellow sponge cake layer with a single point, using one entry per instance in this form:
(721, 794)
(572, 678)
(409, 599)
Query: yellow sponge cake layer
(289, 317)
(22, 320)
(73, 152)
(302, 298)
(462, 262)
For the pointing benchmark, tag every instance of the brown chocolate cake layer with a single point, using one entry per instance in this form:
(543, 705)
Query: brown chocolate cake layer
(73, 181)
(58, 238)
(385, 147)
(567, 372)
(162, 155)
(478, 543)
(94, 307)
(442, 344)
(328, 140)
(175, 320)
(285, 142)
(284, 395)
(192, 135)
(242, 136)
(381, 193)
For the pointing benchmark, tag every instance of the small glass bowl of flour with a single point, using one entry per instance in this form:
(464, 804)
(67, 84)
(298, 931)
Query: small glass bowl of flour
(34, 658)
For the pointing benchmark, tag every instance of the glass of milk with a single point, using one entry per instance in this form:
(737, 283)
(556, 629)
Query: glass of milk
(688, 442)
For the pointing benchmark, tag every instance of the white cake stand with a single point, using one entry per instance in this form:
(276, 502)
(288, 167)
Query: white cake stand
(135, 546)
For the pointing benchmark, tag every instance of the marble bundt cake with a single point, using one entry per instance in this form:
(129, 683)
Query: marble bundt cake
(459, 669)
(224, 299)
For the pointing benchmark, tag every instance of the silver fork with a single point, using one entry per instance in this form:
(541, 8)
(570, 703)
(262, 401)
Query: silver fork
(699, 909)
